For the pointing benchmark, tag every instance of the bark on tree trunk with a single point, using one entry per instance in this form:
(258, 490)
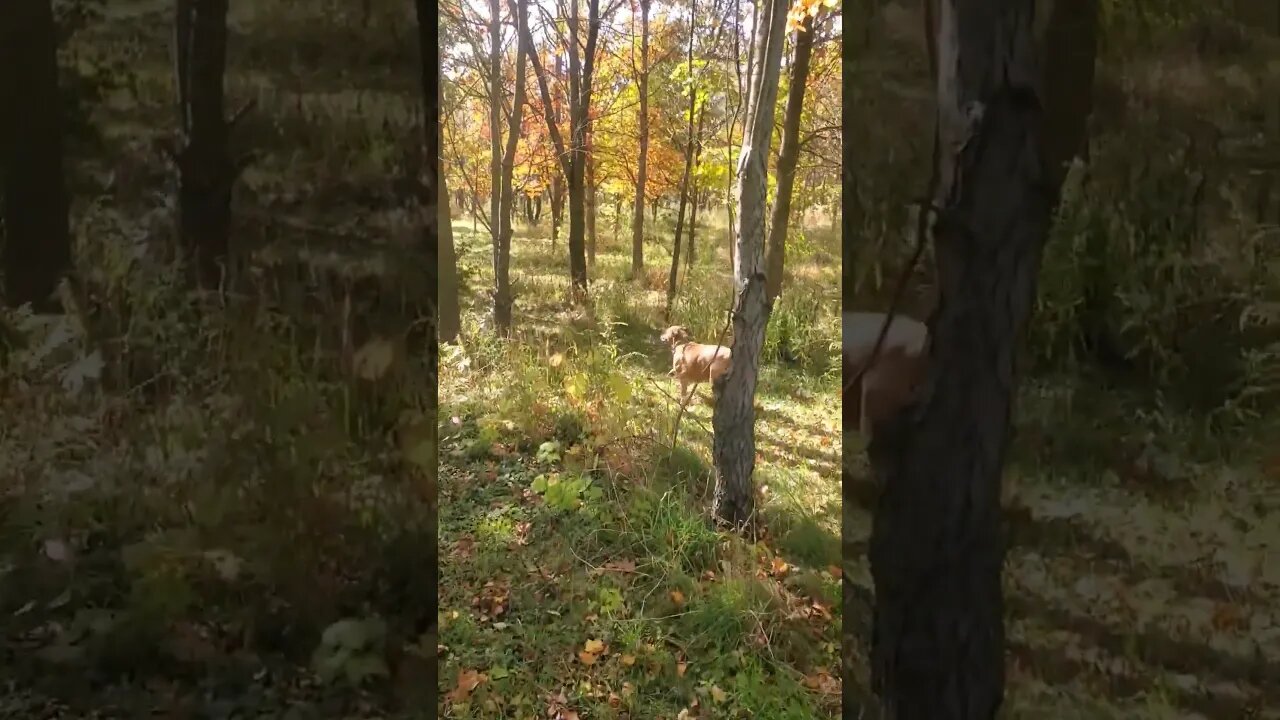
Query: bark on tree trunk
(557, 207)
(591, 203)
(936, 546)
(206, 171)
(501, 289)
(37, 240)
(637, 220)
(684, 178)
(439, 238)
(504, 194)
(788, 158)
(572, 155)
(692, 253)
(733, 420)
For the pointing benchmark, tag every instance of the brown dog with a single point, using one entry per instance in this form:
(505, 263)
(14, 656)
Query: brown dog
(693, 362)
(890, 379)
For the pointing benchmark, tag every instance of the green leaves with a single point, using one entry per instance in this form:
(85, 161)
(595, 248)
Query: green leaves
(351, 649)
(565, 494)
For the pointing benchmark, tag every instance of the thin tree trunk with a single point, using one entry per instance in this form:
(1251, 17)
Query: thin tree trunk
(788, 158)
(733, 420)
(684, 179)
(501, 291)
(691, 254)
(936, 546)
(37, 241)
(557, 207)
(448, 307)
(206, 171)
(502, 300)
(591, 203)
(572, 155)
(642, 172)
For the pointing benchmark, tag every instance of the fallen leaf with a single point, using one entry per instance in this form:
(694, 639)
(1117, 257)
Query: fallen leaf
(594, 646)
(468, 680)
(628, 660)
(677, 597)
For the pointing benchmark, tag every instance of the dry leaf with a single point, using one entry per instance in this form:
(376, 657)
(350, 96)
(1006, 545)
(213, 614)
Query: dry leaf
(468, 680)
(628, 660)
(677, 597)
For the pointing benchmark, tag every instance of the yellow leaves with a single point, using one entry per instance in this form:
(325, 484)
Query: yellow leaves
(804, 9)
(718, 695)
(591, 651)
(575, 386)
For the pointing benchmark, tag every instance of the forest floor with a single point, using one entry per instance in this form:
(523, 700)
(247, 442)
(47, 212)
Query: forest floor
(201, 514)
(579, 570)
(1141, 579)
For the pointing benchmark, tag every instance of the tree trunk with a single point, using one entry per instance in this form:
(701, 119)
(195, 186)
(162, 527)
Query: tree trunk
(572, 156)
(501, 288)
(936, 547)
(591, 203)
(450, 321)
(1071, 47)
(503, 193)
(684, 179)
(537, 209)
(557, 207)
(206, 172)
(1071, 50)
(37, 240)
(642, 172)
(787, 159)
(440, 238)
(692, 254)
(733, 420)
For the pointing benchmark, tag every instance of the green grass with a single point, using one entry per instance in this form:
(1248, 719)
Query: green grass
(625, 561)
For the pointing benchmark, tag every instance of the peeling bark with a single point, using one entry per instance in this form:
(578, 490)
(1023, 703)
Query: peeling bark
(936, 546)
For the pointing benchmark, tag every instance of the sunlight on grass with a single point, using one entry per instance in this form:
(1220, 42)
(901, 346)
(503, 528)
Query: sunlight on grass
(564, 476)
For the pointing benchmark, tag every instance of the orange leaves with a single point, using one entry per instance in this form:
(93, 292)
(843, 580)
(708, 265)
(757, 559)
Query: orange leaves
(591, 651)
(807, 9)
(468, 681)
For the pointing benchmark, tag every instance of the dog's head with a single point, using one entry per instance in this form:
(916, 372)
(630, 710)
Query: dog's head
(674, 335)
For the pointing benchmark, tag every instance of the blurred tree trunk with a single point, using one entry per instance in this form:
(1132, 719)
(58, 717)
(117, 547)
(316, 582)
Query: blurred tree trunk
(691, 254)
(1071, 48)
(642, 172)
(788, 158)
(206, 170)
(37, 240)
(591, 202)
(1070, 54)
(733, 420)
(936, 546)
(440, 239)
